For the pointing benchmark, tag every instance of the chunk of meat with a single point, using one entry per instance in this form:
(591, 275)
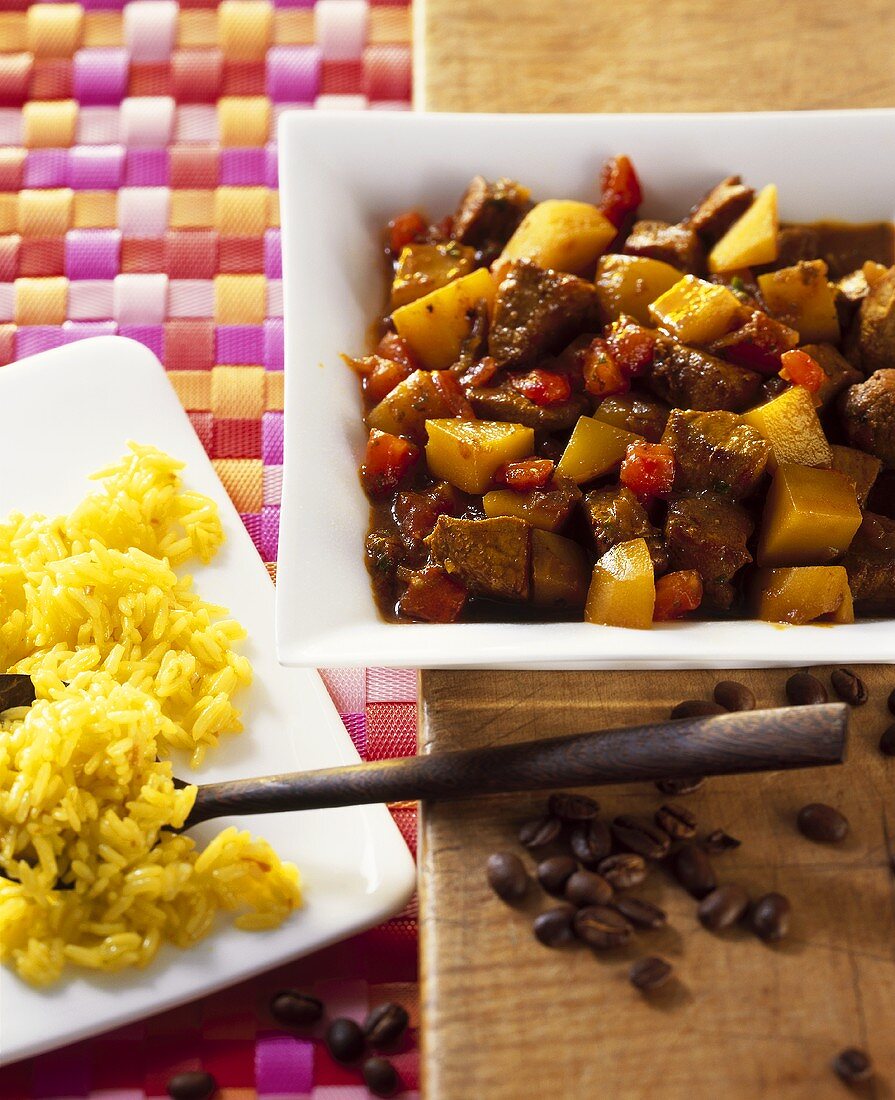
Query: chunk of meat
(709, 534)
(616, 515)
(678, 245)
(692, 379)
(873, 337)
(432, 596)
(716, 452)
(796, 243)
(635, 412)
(869, 414)
(489, 213)
(840, 373)
(537, 312)
(503, 402)
(489, 557)
(716, 212)
(870, 564)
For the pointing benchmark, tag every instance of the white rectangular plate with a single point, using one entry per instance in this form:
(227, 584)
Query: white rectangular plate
(68, 413)
(342, 178)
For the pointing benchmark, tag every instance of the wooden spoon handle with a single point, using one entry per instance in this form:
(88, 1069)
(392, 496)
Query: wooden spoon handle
(748, 741)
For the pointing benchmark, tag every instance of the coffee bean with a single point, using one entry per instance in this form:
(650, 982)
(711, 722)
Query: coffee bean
(380, 1077)
(723, 907)
(588, 888)
(553, 927)
(590, 842)
(601, 927)
(572, 808)
(345, 1040)
(293, 1009)
(624, 870)
(684, 785)
(853, 1066)
(194, 1085)
(696, 708)
(641, 913)
(676, 820)
(891, 701)
(718, 841)
(385, 1024)
(849, 687)
(803, 689)
(540, 832)
(554, 873)
(732, 695)
(641, 835)
(507, 876)
(887, 742)
(822, 823)
(650, 973)
(769, 917)
(693, 870)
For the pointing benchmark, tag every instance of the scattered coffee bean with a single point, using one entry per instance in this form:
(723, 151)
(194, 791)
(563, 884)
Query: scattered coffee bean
(293, 1009)
(684, 785)
(769, 917)
(540, 832)
(887, 742)
(553, 927)
(849, 687)
(507, 876)
(696, 708)
(853, 1066)
(555, 872)
(641, 913)
(732, 695)
(345, 1040)
(588, 888)
(891, 701)
(194, 1085)
(676, 820)
(591, 842)
(624, 870)
(693, 870)
(803, 689)
(601, 927)
(718, 841)
(649, 973)
(723, 907)
(385, 1025)
(380, 1077)
(572, 808)
(822, 823)
(641, 835)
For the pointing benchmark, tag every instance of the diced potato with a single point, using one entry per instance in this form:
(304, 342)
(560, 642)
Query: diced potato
(559, 234)
(627, 284)
(423, 268)
(559, 571)
(410, 404)
(594, 448)
(803, 595)
(436, 324)
(802, 297)
(546, 509)
(467, 452)
(859, 467)
(623, 587)
(810, 516)
(752, 239)
(790, 424)
(697, 312)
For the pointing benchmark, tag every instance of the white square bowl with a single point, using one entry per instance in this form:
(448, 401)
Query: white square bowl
(342, 176)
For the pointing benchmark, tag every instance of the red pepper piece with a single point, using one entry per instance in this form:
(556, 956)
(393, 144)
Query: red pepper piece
(632, 346)
(403, 229)
(386, 461)
(603, 376)
(432, 596)
(800, 369)
(523, 477)
(395, 347)
(648, 469)
(542, 387)
(621, 191)
(677, 594)
(383, 378)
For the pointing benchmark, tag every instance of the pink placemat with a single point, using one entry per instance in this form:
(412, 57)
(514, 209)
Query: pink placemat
(138, 195)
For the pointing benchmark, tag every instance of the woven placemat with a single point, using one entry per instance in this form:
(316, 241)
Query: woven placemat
(138, 196)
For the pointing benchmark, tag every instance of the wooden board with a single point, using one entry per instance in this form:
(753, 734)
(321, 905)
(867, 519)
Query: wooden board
(505, 1018)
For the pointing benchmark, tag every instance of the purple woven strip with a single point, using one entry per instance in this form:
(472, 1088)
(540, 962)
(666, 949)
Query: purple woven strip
(33, 339)
(96, 167)
(81, 330)
(92, 253)
(153, 336)
(272, 438)
(294, 73)
(273, 343)
(270, 533)
(356, 724)
(46, 168)
(252, 520)
(147, 168)
(99, 76)
(284, 1066)
(239, 344)
(273, 261)
(272, 179)
(244, 167)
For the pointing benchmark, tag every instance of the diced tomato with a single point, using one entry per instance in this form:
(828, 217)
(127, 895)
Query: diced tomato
(432, 596)
(532, 473)
(481, 373)
(758, 344)
(603, 376)
(542, 387)
(677, 594)
(388, 458)
(403, 229)
(632, 346)
(417, 513)
(800, 369)
(395, 347)
(441, 231)
(648, 469)
(383, 378)
(621, 191)
(451, 391)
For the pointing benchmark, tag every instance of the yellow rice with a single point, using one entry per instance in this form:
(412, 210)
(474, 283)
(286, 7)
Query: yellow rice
(128, 663)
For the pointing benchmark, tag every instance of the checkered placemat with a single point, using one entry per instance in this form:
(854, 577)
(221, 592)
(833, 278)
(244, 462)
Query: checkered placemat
(138, 196)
